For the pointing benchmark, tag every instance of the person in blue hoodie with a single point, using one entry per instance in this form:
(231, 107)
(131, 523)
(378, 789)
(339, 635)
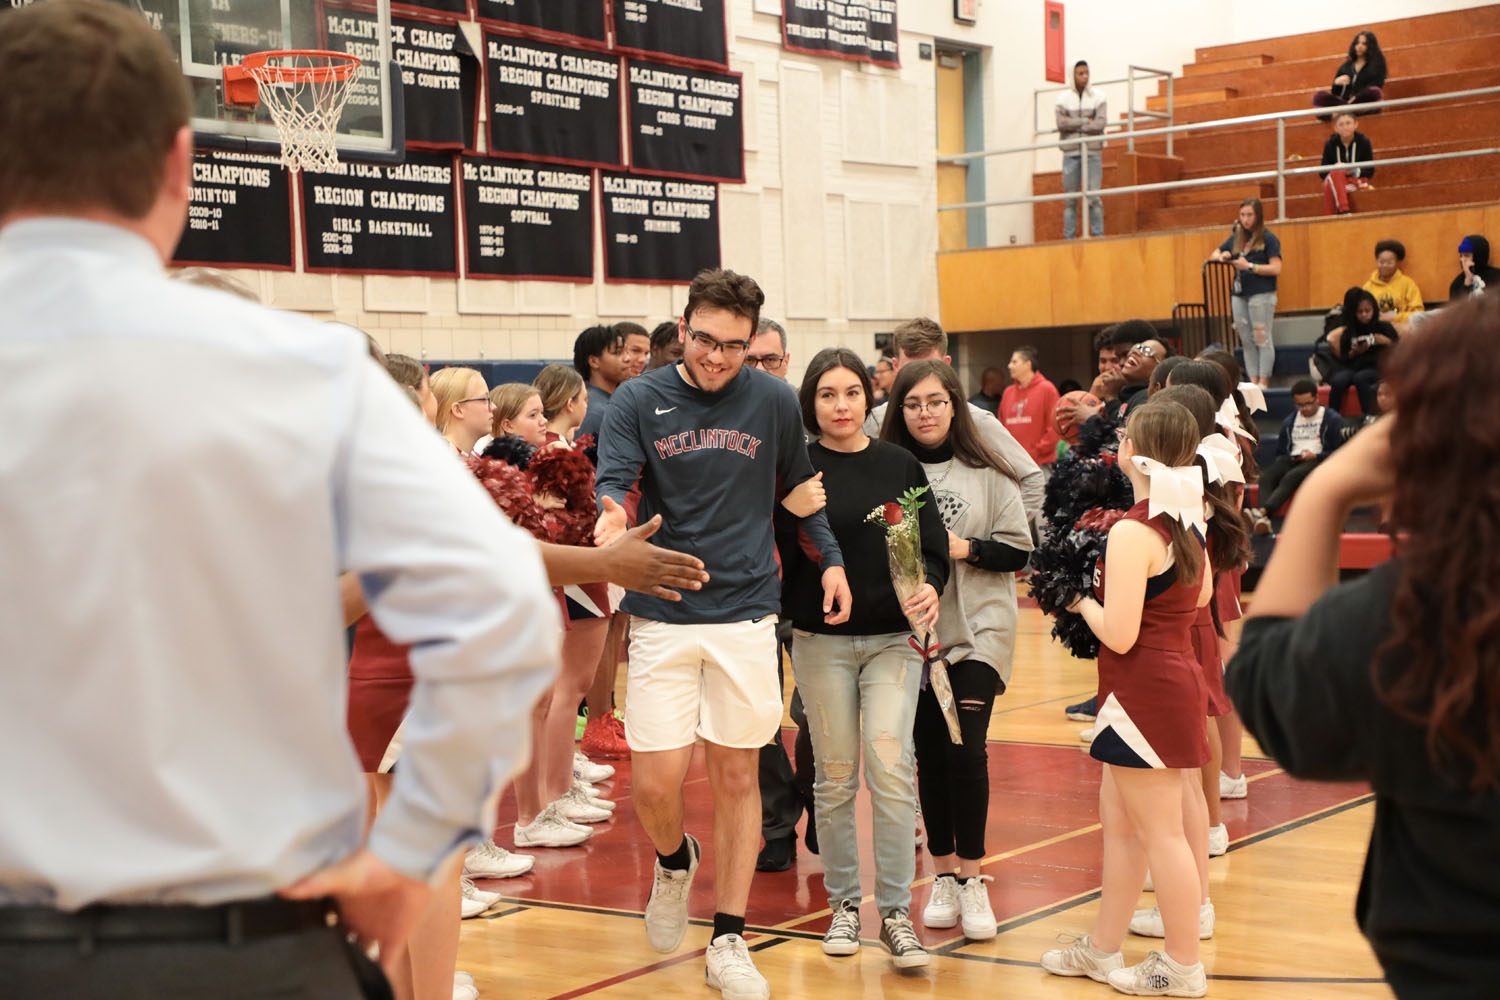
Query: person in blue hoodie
(1307, 437)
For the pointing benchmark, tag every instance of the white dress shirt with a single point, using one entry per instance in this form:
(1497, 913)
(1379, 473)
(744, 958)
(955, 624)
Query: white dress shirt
(183, 475)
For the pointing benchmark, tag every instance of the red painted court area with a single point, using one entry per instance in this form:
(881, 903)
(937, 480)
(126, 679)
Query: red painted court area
(1043, 843)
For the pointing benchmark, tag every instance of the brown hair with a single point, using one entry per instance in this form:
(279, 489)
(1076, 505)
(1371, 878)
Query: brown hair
(508, 400)
(1228, 539)
(1232, 377)
(408, 374)
(968, 447)
(1445, 671)
(1254, 238)
(91, 101)
(917, 338)
(558, 385)
(1167, 432)
(723, 289)
(449, 385)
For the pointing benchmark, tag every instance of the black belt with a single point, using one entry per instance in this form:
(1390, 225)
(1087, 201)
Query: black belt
(233, 923)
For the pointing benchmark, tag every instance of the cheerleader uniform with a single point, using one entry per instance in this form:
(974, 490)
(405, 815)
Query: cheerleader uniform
(380, 683)
(1152, 699)
(580, 602)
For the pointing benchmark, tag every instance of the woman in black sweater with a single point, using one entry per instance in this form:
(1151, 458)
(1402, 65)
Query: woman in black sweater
(1357, 349)
(1360, 79)
(859, 680)
(1394, 678)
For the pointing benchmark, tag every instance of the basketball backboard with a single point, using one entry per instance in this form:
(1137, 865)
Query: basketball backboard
(210, 34)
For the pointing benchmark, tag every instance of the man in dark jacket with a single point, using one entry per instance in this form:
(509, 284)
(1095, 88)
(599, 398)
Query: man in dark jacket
(1306, 437)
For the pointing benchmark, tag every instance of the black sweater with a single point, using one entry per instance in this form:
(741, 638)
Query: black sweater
(856, 484)
(1429, 899)
(1373, 75)
(1335, 153)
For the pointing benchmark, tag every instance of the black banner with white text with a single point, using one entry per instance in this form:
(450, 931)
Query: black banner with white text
(581, 19)
(379, 219)
(656, 230)
(527, 220)
(863, 30)
(685, 122)
(552, 102)
(240, 214)
(681, 29)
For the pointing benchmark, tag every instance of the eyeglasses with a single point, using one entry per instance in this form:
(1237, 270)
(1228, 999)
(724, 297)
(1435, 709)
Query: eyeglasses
(1145, 349)
(479, 399)
(767, 360)
(933, 406)
(1120, 435)
(707, 344)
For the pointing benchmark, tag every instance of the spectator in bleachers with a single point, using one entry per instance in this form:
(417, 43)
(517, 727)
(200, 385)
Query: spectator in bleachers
(1026, 408)
(1345, 150)
(1255, 253)
(1357, 347)
(1081, 111)
(1395, 293)
(666, 346)
(1475, 273)
(991, 386)
(1307, 437)
(1361, 77)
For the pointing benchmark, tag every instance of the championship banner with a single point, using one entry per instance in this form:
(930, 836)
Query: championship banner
(453, 8)
(694, 30)
(658, 231)
(439, 76)
(552, 102)
(862, 30)
(240, 214)
(685, 122)
(575, 19)
(378, 219)
(527, 220)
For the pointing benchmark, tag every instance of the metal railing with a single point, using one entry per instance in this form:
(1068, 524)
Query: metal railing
(1280, 172)
(1131, 114)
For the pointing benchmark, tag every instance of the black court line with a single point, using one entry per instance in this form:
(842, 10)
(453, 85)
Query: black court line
(502, 913)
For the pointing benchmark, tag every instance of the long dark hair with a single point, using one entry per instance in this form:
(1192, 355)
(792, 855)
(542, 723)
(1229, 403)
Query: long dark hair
(1167, 432)
(1232, 378)
(1228, 539)
(968, 447)
(1446, 610)
(1374, 58)
(821, 364)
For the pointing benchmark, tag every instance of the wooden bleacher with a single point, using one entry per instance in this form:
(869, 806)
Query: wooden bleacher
(1431, 54)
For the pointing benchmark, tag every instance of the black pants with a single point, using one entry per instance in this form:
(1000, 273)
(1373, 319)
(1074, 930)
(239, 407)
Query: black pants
(1364, 381)
(1280, 481)
(953, 782)
(785, 792)
(313, 964)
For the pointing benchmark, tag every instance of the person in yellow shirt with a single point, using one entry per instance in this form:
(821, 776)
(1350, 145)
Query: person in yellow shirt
(1396, 294)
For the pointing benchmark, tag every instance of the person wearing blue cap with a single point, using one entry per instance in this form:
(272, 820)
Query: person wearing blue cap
(1475, 274)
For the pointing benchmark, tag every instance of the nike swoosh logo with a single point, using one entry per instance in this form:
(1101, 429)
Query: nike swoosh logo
(669, 409)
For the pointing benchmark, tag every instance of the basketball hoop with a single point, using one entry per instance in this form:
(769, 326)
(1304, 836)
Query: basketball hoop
(305, 91)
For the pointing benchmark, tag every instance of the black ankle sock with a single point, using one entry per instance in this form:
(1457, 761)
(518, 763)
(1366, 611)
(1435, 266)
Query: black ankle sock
(728, 923)
(952, 875)
(679, 860)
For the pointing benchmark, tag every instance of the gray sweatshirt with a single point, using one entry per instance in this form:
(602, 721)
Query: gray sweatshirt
(714, 466)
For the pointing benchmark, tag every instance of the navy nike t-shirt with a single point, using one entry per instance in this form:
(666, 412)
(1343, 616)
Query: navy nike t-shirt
(710, 464)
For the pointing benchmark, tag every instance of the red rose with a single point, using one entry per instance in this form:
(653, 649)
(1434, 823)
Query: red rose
(893, 513)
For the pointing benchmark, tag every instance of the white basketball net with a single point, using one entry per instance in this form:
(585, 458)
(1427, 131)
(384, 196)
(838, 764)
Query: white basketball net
(306, 95)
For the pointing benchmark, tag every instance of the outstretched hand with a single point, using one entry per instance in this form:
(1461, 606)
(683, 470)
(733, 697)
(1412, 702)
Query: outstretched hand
(636, 564)
(611, 524)
(376, 903)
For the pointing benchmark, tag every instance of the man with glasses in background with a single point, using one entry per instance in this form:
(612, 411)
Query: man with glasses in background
(768, 349)
(709, 442)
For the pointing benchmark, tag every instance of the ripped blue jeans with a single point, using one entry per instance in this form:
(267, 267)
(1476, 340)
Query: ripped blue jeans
(860, 693)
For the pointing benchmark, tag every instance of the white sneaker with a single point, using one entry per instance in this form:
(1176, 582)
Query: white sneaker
(974, 899)
(1147, 923)
(942, 906)
(1233, 788)
(472, 900)
(551, 829)
(490, 860)
(1081, 958)
(667, 908)
(1218, 841)
(1087, 735)
(586, 770)
(576, 807)
(465, 991)
(731, 972)
(472, 891)
(1159, 976)
(842, 937)
(595, 797)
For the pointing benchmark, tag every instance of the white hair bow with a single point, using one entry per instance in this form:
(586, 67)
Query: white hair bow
(1222, 458)
(1176, 492)
(1228, 418)
(1254, 397)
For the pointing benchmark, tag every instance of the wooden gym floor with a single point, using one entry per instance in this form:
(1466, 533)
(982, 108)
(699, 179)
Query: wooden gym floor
(1284, 894)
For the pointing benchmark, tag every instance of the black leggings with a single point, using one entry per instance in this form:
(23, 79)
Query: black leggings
(953, 782)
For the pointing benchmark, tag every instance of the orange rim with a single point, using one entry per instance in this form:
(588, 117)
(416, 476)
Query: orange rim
(341, 65)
